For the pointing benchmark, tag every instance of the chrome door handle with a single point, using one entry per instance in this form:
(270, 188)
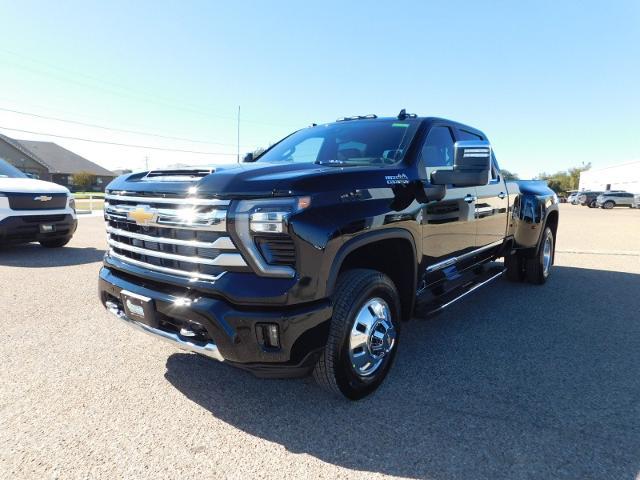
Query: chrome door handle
(470, 199)
(501, 195)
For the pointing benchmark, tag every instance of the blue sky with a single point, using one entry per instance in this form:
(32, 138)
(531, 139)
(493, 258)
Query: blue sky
(553, 84)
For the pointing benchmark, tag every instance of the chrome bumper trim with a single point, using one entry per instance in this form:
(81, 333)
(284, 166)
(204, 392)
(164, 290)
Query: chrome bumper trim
(210, 349)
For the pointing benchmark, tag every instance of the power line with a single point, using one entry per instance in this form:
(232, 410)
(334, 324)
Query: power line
(93, 125)
(70, 76)
(115, 143)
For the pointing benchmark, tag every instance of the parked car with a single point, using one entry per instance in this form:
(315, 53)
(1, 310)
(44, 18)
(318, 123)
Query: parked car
(309, 257)
(588, 198)
(615, 199)
(33, 210)
(573, 198)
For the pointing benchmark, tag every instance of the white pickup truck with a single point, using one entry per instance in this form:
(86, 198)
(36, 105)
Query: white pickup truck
(34, 211)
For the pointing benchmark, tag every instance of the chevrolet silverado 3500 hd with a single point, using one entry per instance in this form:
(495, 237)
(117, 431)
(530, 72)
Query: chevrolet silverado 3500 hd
(310, 257)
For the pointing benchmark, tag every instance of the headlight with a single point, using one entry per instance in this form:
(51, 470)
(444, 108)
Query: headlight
(72, 203)
(265, 217)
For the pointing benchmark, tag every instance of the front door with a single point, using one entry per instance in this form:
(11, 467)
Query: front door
(492, 210)
(448, 225)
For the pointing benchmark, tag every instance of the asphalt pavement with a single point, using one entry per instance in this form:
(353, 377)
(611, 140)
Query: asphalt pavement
(516, 381)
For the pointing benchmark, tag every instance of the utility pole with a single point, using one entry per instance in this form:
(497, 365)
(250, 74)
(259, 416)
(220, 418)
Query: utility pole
(238, 133)
(146, 162)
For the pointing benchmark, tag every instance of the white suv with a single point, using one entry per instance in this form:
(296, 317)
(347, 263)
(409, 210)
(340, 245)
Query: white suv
(615, 199)
(34, 211)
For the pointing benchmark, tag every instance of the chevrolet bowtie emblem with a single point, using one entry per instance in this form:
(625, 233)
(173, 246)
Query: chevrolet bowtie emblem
(42, 198)
(142, 215)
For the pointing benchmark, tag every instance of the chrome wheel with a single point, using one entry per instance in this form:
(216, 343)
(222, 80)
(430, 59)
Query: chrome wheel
(547, 254)
(372, 337)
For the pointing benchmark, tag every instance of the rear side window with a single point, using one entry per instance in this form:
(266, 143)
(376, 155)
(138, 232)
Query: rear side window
(437, 150)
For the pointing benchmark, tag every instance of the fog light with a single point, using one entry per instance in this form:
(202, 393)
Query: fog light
(268, 334)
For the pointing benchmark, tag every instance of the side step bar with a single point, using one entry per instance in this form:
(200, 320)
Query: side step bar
(440, 303)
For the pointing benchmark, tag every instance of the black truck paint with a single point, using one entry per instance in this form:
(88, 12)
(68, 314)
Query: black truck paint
(373, 224)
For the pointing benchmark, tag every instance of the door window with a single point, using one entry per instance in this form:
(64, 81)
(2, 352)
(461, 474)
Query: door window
(437, 150)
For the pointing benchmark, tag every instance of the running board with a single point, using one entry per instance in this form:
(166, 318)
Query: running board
(449, 298)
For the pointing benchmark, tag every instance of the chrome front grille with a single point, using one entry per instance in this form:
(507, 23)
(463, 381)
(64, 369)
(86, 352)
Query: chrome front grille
(179, 236)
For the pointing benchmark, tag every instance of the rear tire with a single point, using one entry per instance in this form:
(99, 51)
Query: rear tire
(538, 267)
(363, 337)
(55, 243)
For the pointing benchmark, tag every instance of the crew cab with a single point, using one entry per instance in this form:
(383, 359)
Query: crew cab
(310, 257)
(33, 210)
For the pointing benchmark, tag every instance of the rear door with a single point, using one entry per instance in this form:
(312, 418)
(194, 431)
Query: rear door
(448, 225)
(492, 203)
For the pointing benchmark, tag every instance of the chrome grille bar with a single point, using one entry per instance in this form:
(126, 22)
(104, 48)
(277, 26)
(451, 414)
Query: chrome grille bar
(221, 243)
(222, 260)
(175, 201)
(170, 271)
(213, 220)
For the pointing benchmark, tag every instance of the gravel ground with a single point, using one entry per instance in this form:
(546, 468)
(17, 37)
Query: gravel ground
(516, 381)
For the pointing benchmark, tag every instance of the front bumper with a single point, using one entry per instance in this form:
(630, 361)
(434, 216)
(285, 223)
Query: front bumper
(224, 332)
(26, 228)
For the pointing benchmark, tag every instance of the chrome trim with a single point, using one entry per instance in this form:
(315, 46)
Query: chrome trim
(214, 220)
(222, 260)
(222, 243)
(180, 201)
(373, 336)
(475, 287)
(170, 271)
(209, 349)
(452, 261)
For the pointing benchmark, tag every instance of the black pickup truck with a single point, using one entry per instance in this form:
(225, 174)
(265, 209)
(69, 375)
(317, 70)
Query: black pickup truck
(310, 257)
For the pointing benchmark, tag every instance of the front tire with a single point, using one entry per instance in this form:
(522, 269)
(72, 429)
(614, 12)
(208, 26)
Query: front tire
(538, 267)
(608, 205)
(55, 243)
(593, 204)
(363, 337)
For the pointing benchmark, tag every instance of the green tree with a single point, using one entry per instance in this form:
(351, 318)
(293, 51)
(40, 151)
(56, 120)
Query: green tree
(83, 180)
(507, 175)
(563, 181)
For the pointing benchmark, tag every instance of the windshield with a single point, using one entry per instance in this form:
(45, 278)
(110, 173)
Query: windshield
(353, 142)
(7, 170)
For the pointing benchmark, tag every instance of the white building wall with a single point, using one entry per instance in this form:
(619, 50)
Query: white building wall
(625, 176)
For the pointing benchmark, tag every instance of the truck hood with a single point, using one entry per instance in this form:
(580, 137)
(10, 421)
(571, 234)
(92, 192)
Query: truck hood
(257, 179)
(29, 185)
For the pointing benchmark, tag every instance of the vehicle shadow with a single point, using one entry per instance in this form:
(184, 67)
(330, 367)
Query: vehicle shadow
(32, 255)
(515, 381)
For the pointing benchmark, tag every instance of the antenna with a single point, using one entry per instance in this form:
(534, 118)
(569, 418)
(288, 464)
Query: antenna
(238, 133)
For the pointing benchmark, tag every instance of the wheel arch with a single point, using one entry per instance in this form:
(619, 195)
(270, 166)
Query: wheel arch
(390, 251)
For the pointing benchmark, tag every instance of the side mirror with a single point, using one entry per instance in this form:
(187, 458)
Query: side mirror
(471, 167)
(248, 158)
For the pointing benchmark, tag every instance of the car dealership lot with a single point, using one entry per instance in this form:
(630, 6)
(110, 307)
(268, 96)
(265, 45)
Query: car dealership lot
(515, 381)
